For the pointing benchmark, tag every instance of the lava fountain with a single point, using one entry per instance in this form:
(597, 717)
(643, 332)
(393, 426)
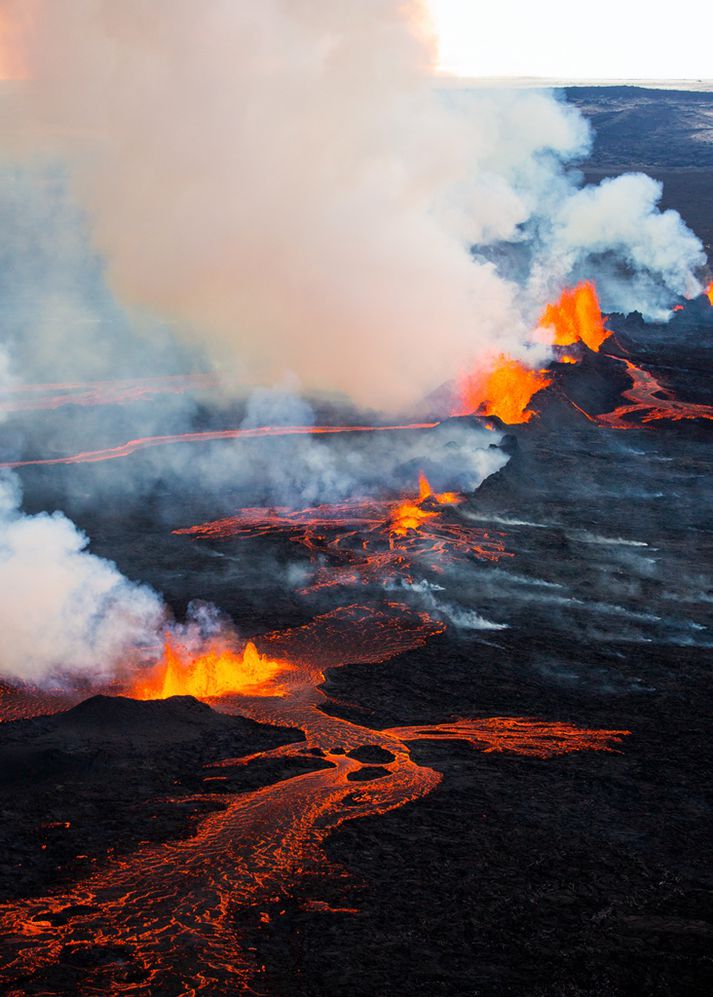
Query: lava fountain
(218, 670)
(505, 391)
(576, 318)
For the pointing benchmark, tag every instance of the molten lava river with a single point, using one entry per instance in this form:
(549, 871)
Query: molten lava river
(168, 915)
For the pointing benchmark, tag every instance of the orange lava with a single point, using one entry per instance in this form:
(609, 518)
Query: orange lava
(650, 401)
(206, 436)
(217, 671)
(576, 318)
(709, 292)
(366, 541)
(176, 917)
(517, 735)
(504, 392)
(413, 513)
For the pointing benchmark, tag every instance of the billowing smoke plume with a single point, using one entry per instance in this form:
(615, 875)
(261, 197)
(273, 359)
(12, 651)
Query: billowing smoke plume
(619, 218)
(64, 610)
(283, 180)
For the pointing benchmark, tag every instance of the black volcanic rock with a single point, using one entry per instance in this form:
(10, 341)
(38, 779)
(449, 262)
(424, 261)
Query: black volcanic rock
(367, 773)
(98, 777)
(371, 753)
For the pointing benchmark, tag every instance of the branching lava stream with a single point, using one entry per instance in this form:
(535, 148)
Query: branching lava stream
(167, 918)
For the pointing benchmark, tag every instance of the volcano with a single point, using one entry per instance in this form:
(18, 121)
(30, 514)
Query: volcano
(443, 733)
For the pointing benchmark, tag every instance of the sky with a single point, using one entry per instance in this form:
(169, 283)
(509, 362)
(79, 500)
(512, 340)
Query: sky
(609, 39)
(555, 39)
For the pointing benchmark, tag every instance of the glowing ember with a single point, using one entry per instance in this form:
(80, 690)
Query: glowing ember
(218, 671)
(709, 292)
(505, 392)
(576, 318)
(567, 358)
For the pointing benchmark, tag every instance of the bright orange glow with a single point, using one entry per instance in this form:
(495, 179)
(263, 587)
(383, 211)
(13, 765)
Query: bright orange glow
(709, 292)
(218, 671)
(576, 318)
(505, 392)
(412, 513)
(442, 498)
(567, 358)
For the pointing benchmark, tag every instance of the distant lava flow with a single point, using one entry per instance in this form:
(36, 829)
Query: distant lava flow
(648, 400)
(170, 918)
(367, 541)
(43, 397)
(206, 436)
(519, 735)
(709, 292)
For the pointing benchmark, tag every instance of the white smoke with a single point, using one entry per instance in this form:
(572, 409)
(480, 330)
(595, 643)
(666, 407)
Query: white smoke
(620, 217)
(63, 610)
(283, 179)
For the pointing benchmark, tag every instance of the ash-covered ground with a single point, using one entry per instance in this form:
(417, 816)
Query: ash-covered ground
(575, 876)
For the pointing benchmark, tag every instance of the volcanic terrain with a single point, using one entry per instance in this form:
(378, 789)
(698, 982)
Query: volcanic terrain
(463, 745)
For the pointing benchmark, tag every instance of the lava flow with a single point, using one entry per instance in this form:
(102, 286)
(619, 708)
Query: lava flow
(167, 917)
(45, 397)
(367, 540)
(649, 400)
(205, 436)
(519, 735)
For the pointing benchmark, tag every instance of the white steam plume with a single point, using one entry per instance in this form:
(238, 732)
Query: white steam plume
(621, 217)
(282, 178)
(63, 610)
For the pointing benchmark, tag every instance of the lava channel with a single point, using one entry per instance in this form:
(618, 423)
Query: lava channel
(167, 918)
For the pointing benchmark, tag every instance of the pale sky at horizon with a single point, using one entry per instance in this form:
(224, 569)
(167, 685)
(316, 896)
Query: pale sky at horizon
(611, 39)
